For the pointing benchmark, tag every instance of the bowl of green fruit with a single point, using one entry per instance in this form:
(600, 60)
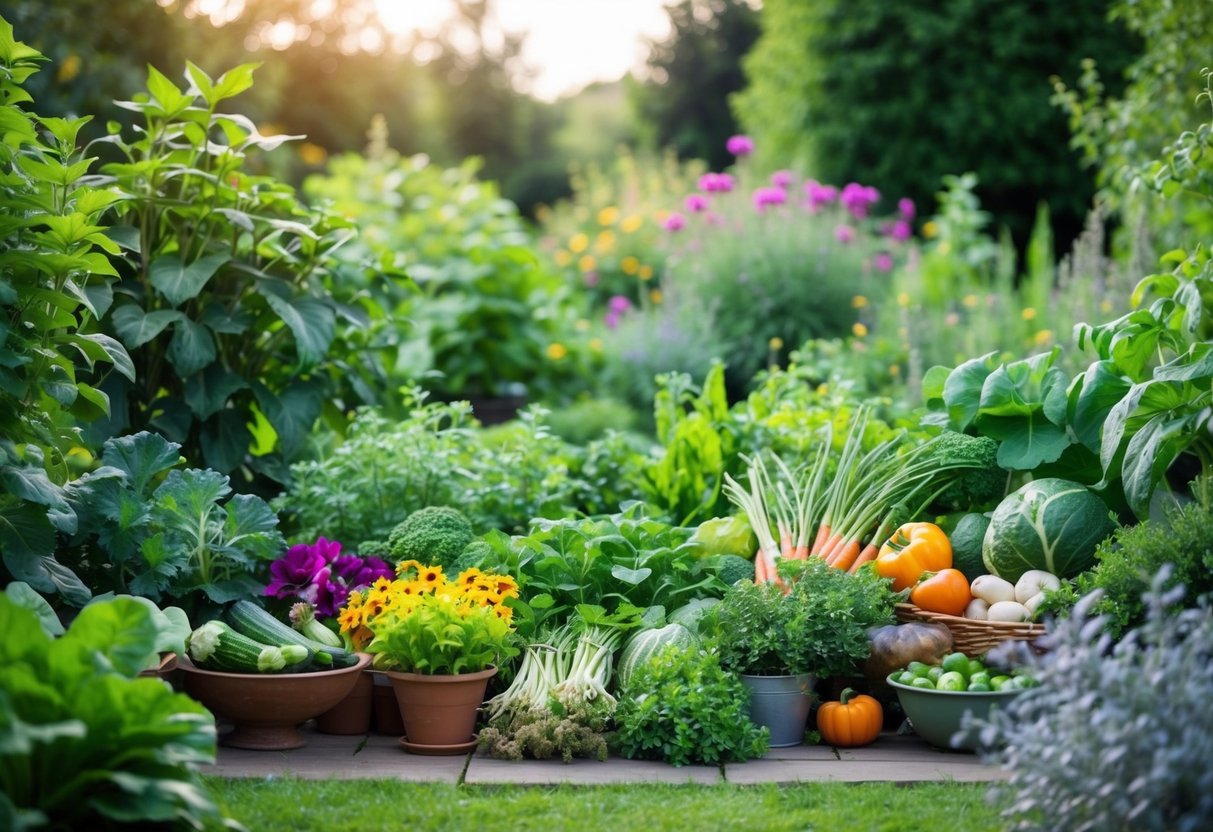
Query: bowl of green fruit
(936, 698)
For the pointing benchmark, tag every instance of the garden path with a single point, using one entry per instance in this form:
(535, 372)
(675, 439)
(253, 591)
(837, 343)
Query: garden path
(892, 757)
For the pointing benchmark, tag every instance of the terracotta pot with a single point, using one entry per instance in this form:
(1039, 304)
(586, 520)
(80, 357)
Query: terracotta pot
(439, 712)
(352, 715)
(385, 710)
(267, 708)
(165, 665)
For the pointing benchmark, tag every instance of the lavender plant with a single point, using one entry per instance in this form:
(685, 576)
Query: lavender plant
(1119, 735)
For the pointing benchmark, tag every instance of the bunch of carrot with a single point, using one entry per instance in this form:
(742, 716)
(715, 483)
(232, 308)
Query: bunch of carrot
(870, 494)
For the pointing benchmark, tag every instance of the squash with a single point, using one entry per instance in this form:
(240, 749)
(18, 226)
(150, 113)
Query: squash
(896, 645)
(854, 720)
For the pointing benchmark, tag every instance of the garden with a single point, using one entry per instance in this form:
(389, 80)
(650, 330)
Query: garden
(718, 456)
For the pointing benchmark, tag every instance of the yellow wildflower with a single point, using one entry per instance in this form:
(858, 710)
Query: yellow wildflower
(608, 215)
(556, 351)
(655, 296)
(645, 272)
(969, 301)
(903, 299)
(629, 264)
(312, 154)
(563, 258)
(596, 344)
(859, 330)
(775, 343)
(578, 243)
(1043, 337)
(631, 224)
(1028, 313)
(859, 302)
(895, 370)
(930, 229)
(582, 325)
(587, 263)
(69, 69)
(605, 242)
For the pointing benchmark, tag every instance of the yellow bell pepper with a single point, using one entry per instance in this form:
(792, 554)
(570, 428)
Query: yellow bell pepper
(913, 549)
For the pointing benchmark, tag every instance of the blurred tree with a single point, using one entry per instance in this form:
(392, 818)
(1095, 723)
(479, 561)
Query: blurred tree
(895, 95)
(684, 105)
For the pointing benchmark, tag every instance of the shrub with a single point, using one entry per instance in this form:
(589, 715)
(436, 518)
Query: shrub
(1118, 735)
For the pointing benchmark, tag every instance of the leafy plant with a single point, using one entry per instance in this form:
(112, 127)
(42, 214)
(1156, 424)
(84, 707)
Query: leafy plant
(224, 300)
(1092, 747)
(84, 744)
(683, 708)
(820, 626)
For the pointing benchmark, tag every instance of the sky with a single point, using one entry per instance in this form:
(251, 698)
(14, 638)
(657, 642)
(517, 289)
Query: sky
(570, 42)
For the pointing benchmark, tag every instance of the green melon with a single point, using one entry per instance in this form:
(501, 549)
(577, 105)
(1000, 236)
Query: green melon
(967, 539)
(690, 614)
(646, 644)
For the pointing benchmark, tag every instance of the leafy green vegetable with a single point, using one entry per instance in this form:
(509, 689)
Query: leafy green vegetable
(122, 750)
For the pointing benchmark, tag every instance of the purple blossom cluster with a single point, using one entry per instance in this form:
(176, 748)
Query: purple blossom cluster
(716, 183)
(319, 574)
(857, 199)
(617, 307)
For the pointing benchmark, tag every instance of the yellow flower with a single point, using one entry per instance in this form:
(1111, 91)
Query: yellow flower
(587, 263)
(1028, 313)
(556, 351)
(629, 265)
(1105, 306)
(563, 258)
(859, 302)
(645, 272)
(605, 242)
(655, 296)
(969, 301)
(468, 577)
(543, 213)
(349, 619)
(895, 370)
(407, 566)
(69, 69)
(608, 215)
(930, 229)
(1043, 337)
(859, 330)
(775, 344)
(354, 599)
(822, 389)
(312, 154)
(631, 223)
(596, 344)
(903, 299)
(578, 243)
(582, 325)
(381, 584)
(431, 576)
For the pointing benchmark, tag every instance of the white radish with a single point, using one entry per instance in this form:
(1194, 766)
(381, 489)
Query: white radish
(1034, 582)
(977, 610)
(1007, 611)
(992, 589)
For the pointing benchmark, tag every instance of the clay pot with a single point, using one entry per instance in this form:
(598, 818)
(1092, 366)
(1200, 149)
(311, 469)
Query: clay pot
(267, 708)
(352, 715)
(439, 711)
(385, 710)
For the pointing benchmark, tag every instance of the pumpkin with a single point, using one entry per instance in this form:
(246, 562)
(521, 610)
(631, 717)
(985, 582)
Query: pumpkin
(856, 719)
(896, 645)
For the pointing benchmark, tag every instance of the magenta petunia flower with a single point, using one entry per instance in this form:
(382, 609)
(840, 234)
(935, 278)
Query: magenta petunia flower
(844, 234)
(674, 222)
(356, 572)
(883, 262)
(297, 568)
(716, 183)
(695, 203)
(740, 145)
(765, 197)
(817, 195)
(328, 596)
(619, 304)
(857, 199)
(905, 207)
(900, 231)
(781, 178)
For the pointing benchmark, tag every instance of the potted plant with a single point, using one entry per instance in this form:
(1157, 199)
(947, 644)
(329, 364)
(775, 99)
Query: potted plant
(781, 638)
(439, 641)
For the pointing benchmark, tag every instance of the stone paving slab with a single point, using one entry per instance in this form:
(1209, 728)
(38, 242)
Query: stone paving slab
(896, 758)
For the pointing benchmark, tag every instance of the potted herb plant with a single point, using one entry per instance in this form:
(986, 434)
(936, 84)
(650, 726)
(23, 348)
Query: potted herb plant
(781, 639)
(439, 642)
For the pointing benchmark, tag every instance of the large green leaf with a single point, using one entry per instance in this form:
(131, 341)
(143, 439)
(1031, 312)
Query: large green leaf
(1094, 393)
(1149, 454)
(292, 413)
(189, 496)
(311, 321)
(23, 595)
(178, 281)
(137, 327)
(1026, 442)
(192, 347)
(207, 392)
(225, 440)
(30, 482)
(962, 390)
(119, 633)
(141, 457)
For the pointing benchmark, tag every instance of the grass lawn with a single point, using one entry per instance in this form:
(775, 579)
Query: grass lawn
(368, 805)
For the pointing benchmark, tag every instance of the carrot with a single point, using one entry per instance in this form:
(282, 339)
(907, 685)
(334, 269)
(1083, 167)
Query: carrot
(800, 553)
(823, 534)
(760, 568)
(847, 555)
(868, 554)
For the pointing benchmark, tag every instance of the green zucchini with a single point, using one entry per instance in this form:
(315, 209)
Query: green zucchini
(258, 624)
(216, 646)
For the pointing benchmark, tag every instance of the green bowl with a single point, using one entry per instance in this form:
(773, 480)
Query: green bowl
(936, 714)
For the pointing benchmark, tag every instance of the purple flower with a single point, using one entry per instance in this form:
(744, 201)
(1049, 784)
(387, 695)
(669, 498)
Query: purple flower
(765, 197)
(675, 222)
(716, 183)
(844, 234)
(696, 203)
(883, 262)
(295, 571)
(900, 231)
(740, 145)
(905, 207)
(356, 572)
(325, 594)
(857, 199)
(818, 195)
(781, 178)
(619, 304)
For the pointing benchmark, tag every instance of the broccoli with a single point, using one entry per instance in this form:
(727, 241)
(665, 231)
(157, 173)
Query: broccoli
(434, 535)
(374, 549)
(970, 463)
(734, 568)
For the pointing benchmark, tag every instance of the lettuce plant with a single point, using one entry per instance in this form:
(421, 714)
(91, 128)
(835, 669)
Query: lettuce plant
(118, 750)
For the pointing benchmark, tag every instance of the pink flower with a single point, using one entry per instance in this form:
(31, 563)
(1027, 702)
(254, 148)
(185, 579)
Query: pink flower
(844, 234)
(675, 222)
(619, 304)
(716, 183)
(905, 207)
(740, 145)
(818, 195)
(696, 203)
(781, 178)
(764, 197)
(857, 199)
(900, 231)
(883, 262)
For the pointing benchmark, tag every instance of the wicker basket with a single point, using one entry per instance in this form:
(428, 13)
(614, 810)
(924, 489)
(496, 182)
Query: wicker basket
(970, 636)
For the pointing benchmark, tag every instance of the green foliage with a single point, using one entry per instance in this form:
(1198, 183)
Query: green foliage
(734, 568)
(830, 82)
(434, 535)
(440, 635)
(567, 727)
(819, 627)
(702, 53)
(84, 744)
(152, 529)
(1098, 745)
(224, 301)
(681, 707)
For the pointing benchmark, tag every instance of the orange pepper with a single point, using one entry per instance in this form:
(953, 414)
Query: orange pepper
(945, 591)
(913, 549)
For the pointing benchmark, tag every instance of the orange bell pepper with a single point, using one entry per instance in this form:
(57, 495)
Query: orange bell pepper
(913, 549)
(945, 591)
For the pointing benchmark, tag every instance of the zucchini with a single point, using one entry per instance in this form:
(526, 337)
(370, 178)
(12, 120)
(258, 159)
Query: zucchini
(216, 646)
(258, 624)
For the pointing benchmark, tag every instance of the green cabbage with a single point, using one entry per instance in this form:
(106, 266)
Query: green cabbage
(724, 536)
